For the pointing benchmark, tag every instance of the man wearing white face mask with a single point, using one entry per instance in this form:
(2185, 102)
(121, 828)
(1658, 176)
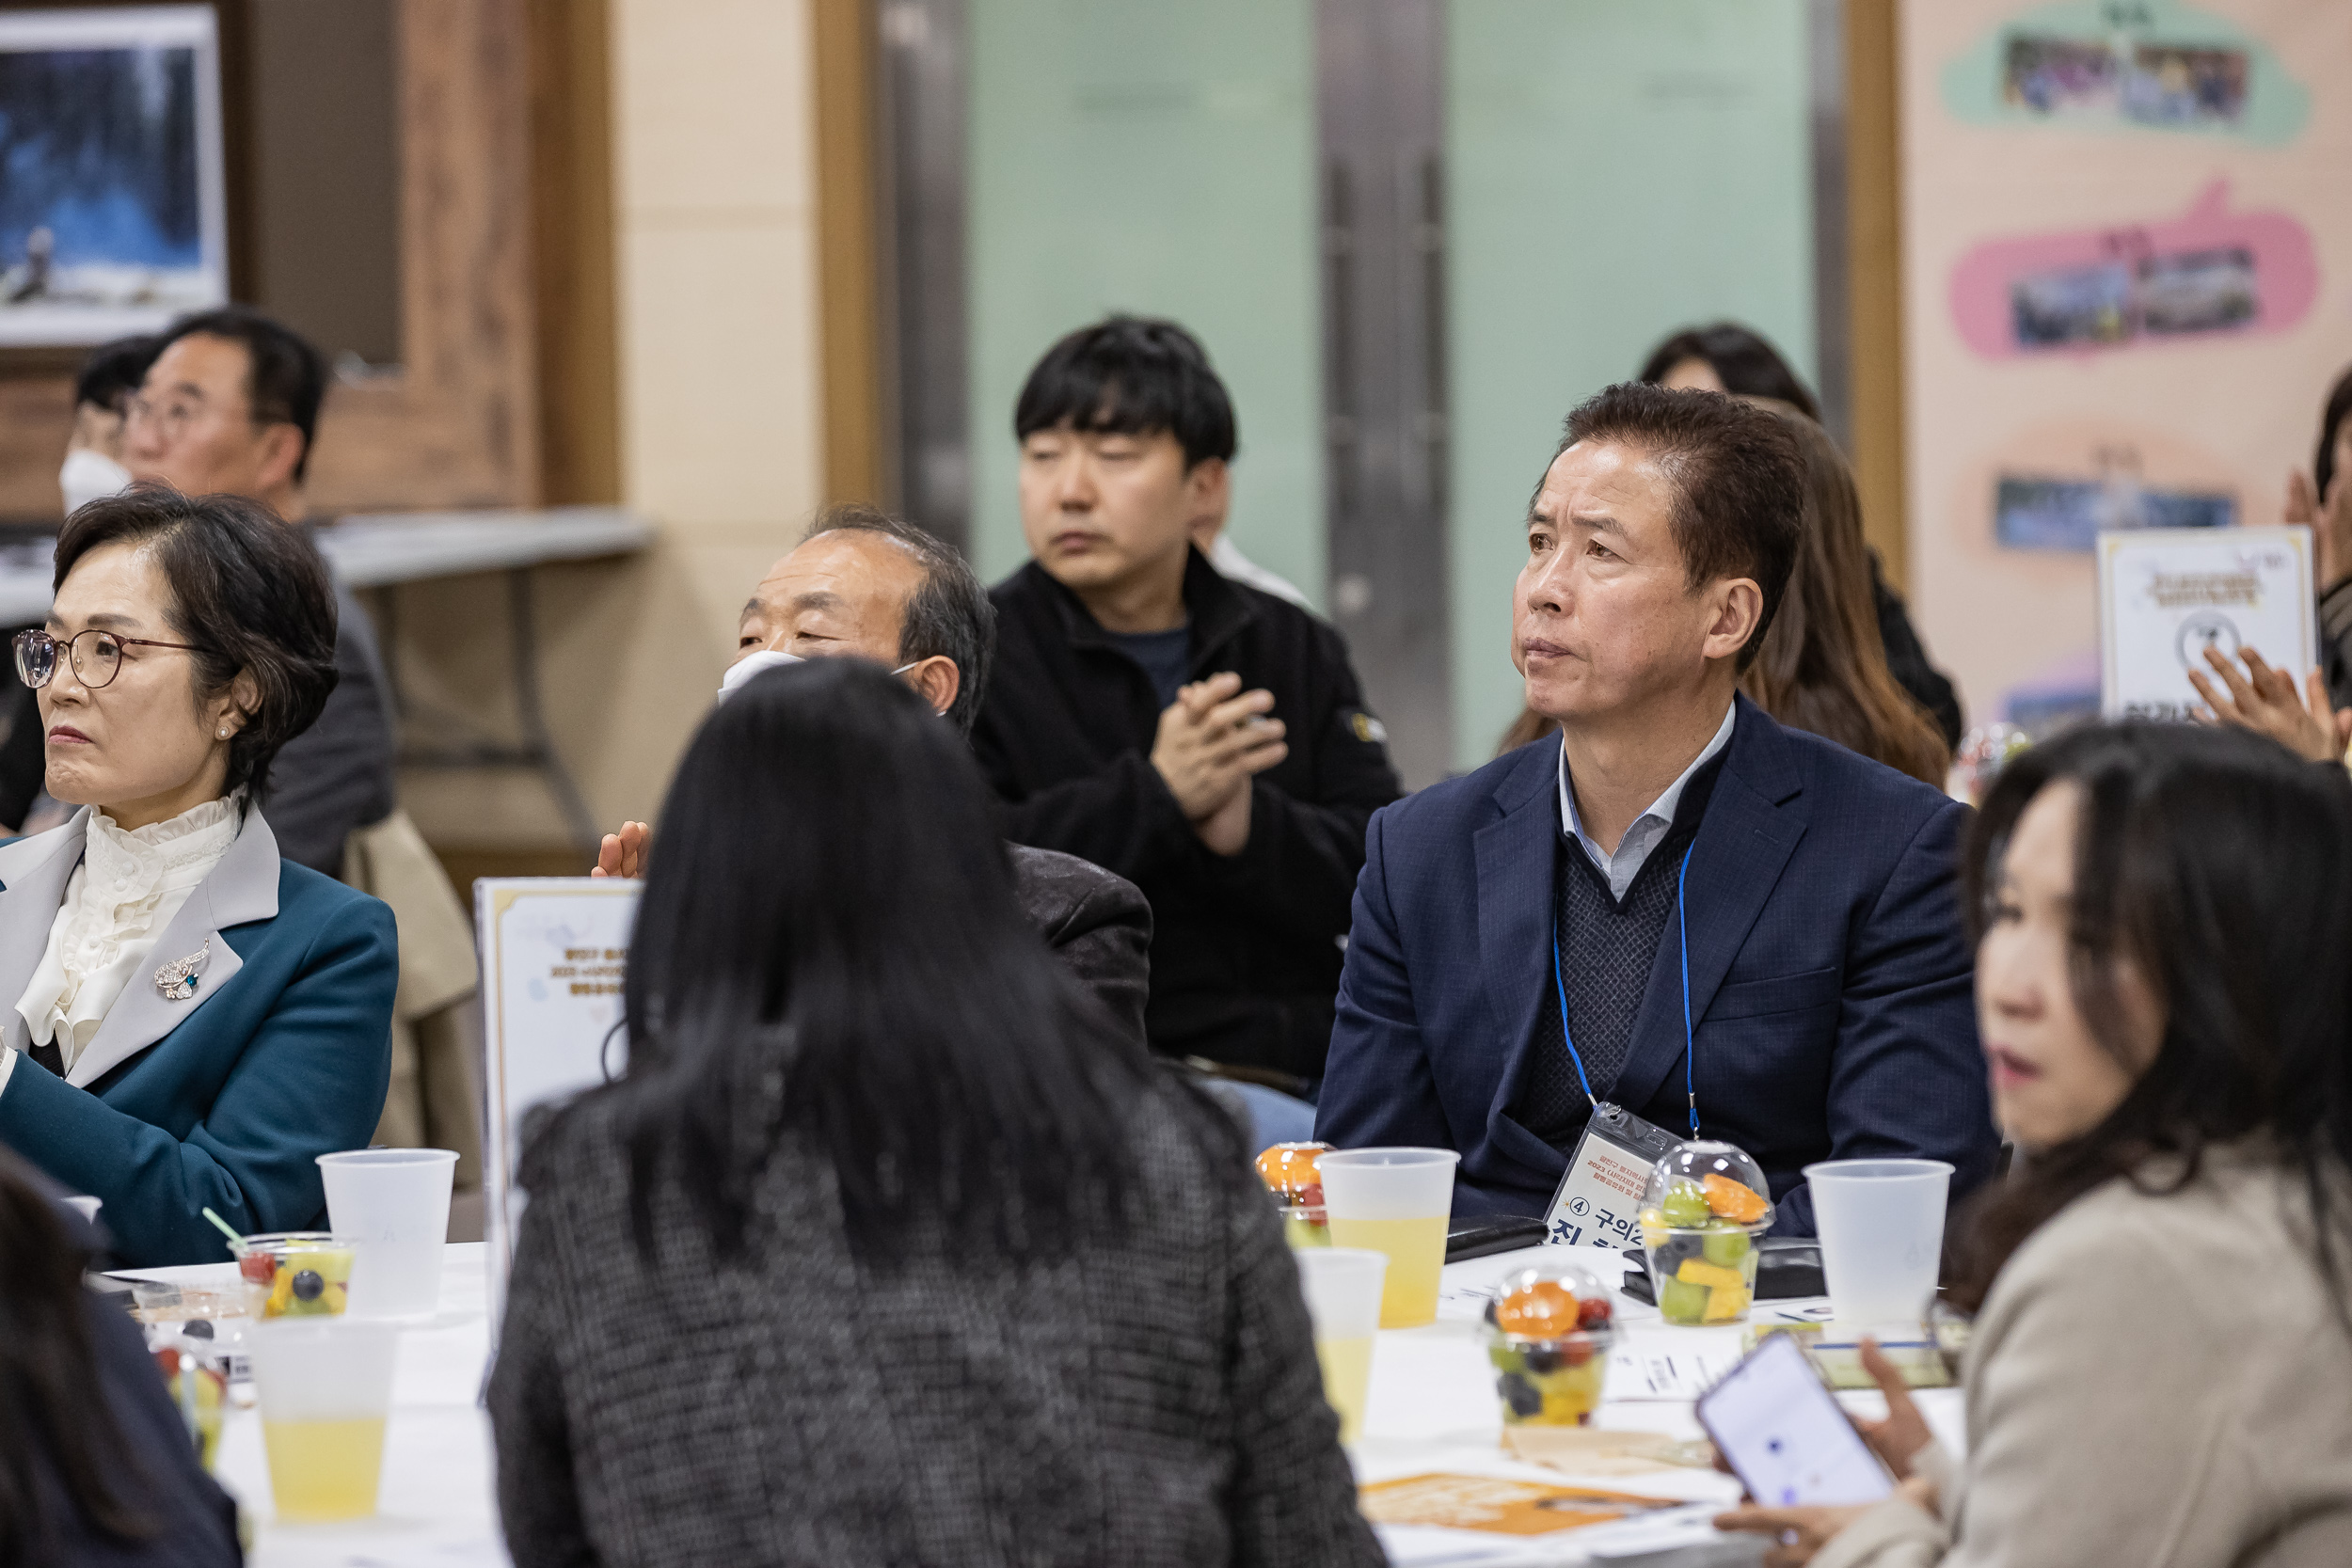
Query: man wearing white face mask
(864, 585)
(92, 470)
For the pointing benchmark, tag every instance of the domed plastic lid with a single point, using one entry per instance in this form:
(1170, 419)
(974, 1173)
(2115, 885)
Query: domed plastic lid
(1704, 1181)
(1289, 1172)
(1551, 1301)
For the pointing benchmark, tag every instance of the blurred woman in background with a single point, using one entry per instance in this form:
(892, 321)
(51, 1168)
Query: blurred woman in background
(2161, 1367)
(1821, 667)
(886, 1249)
(2322, 501)
(1728, 357)
(96, 1468)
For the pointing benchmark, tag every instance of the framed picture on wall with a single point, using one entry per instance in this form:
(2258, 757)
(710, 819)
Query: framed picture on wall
(112, 211)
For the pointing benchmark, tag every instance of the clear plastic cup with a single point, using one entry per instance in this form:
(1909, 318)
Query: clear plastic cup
(1394, 1202)
(296, 1274)
(394, 1203)
(1706, 1204)
(324, 1389)
(1881, 1227)
(1342, 1289)
(1548, 1332)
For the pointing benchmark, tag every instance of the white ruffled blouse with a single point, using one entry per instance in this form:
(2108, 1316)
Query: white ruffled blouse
(124, 893)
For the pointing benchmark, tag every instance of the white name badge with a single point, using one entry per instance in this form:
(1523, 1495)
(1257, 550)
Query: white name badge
(1600, 1195)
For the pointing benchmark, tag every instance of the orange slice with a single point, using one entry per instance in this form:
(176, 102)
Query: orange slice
(1735, 1200)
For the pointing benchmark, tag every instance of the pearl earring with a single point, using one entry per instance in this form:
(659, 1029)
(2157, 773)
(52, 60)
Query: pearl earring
(224, 734)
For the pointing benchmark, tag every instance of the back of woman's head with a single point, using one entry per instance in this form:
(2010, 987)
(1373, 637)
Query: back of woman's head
(1823, 667)
(52, 1418)
(1742, 358)
(2216, 866)
(830, 946)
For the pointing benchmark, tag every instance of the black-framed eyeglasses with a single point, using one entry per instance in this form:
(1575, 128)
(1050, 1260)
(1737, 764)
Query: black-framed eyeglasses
(97, 656)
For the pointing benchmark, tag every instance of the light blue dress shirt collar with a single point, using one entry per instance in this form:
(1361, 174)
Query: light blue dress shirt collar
(1650, 828)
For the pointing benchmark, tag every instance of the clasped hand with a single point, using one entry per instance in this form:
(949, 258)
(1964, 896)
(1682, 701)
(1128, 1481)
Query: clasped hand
(1212, 740)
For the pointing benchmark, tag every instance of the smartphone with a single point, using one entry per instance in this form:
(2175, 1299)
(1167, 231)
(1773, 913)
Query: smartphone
(1786, 1437)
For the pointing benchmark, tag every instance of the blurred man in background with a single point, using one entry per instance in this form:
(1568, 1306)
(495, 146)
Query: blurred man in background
(1200, 737)
(230, 405)
(864, 585)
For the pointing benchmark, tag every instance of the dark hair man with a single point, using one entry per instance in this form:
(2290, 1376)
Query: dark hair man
(1202, 739)
(1527, 930)
(863, 584)
(230, 407)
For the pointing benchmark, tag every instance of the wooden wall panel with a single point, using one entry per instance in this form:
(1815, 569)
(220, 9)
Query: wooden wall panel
(459, 425)
(848, 252)
(572, 241)
(1874, 274)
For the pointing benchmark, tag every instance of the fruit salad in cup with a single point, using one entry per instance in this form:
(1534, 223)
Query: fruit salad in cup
(1548, 1329)
(1289, 1173)
(296, 1274)
(1704, 1208)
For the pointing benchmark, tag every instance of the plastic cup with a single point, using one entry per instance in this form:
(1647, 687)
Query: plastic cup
(394, 1203)
(325, 1387)
(1394, 1202)
(1343, 1290)
(1550, 1328)
(1882, 1229)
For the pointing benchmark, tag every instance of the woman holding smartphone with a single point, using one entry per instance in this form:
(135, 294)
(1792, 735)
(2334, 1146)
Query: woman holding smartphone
(2161, 1369)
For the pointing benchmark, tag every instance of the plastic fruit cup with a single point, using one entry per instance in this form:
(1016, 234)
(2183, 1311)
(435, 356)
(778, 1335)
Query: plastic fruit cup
(297, 1273)
(1548, 1331)
(1701, 1214)
(1289, 1173)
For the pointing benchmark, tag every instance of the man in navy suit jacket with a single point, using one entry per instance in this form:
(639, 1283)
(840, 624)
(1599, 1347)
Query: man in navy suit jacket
(1519, 933)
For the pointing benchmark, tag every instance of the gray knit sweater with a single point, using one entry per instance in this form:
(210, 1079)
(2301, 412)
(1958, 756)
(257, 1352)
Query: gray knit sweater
(1155, 1401)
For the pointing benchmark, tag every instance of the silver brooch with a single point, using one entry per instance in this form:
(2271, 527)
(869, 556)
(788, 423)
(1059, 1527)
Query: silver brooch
(176, 980)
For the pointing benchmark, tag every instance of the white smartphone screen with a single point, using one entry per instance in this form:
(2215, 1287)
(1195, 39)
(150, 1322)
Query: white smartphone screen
(1784, 1435)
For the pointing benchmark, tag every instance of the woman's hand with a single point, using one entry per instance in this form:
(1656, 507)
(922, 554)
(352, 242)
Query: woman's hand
(1898, 1439)
(2265, 699)
(1796, 1533)
(2330, 518)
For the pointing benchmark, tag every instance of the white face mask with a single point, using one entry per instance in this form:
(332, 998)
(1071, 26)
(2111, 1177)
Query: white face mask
(749, 665)
(90, 475)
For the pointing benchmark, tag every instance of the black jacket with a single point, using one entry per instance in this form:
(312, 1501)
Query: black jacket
(1245, 951)
(1097, 924)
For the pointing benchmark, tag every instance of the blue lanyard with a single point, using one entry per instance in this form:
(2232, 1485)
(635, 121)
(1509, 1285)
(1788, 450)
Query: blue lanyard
(1690, 1046)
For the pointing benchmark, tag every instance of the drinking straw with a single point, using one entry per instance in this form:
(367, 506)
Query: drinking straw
(226, 1228)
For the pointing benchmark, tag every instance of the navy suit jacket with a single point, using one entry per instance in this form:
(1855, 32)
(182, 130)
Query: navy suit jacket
(225, 1100)
(1830, 975)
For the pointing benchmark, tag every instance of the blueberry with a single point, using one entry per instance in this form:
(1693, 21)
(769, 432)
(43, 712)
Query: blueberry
(308, 1285)
(1678, 1249)
(1543, 1359)
(196, 1329)
(1521, 1397)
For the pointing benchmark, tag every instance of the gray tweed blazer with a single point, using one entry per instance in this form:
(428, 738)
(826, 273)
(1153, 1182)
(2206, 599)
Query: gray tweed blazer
(1156, 1401)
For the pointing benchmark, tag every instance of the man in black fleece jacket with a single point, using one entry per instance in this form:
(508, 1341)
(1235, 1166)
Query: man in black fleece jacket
(1206, 740)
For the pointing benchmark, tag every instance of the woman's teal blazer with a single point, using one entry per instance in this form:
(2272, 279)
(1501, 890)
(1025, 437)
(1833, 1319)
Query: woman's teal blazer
(224, 1099)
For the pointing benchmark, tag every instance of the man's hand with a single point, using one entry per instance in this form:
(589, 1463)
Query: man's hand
(623, 854)
(2265, 699)
(1212, 739)
(1796, 1533)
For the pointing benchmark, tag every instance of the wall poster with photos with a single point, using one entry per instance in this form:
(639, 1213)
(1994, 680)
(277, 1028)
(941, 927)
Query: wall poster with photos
(2127, 289)
(113, 211)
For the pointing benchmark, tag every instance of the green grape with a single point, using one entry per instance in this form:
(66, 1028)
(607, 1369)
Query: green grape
(1725, 1242)
(1685, 1206)
(1682, 1303)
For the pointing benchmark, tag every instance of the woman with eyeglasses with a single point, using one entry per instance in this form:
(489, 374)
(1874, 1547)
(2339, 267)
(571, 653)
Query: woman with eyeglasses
(186, 1020)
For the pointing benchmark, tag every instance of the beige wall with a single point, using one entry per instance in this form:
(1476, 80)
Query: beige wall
(721, 414)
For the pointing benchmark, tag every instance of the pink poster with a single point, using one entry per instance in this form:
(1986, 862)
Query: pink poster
(2127, 290)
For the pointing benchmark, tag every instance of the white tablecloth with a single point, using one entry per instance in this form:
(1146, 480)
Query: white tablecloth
(1431, 1409)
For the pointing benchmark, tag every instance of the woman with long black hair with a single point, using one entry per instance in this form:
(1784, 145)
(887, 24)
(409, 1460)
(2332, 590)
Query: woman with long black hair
(96, 1468)
(2161, 1367)
(886, 1250)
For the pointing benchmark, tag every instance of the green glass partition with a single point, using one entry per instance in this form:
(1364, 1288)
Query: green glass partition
(1614, 171)
(1156, 159)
